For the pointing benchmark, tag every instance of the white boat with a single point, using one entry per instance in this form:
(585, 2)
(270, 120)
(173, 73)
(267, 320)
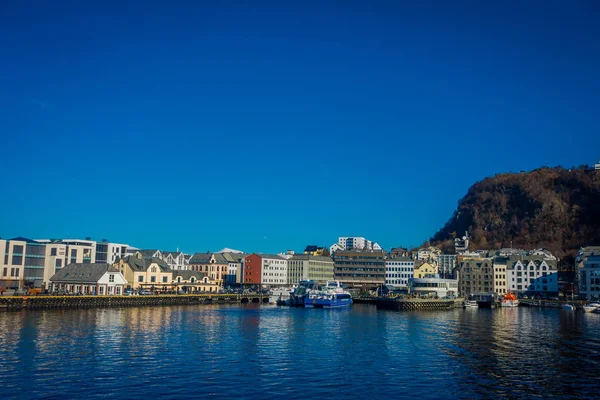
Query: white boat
(509, 300)
(568, 307)
(470, 304)
(280, 293)
(591, 307)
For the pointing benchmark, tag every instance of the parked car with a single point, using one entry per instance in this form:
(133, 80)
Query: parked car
(145, 292)
(128, 292)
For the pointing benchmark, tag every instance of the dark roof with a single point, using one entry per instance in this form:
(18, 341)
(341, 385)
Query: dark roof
(148, 253)
(142, 264)
(234, 257)
(83, 273)
(186, 275)
(173, 254)
(310, 257)
(204, 258)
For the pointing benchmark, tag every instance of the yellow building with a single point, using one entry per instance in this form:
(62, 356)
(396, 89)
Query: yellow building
(425, 269)
(147, 273)
(193, 282)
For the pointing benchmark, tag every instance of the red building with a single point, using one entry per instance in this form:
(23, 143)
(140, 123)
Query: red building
(252, 269)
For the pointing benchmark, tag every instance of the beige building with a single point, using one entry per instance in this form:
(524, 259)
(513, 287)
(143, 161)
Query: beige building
(189, 282)
(475, 275)
(500, 284)
(213, 265)
(425, 270)
(145, 273)
(307, 266)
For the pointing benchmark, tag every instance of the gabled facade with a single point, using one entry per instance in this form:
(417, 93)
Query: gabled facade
(145, 273)
(188, 282)
(89, 279)
(522, 274)
(424, 270)
(175, 260)
(213, 265)
(475, 275)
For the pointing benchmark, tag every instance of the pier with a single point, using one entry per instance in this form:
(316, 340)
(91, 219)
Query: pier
(17, 303)
(412, 304)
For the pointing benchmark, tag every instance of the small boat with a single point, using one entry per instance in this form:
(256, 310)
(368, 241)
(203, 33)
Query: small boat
(509, 300)
(470, 304)
(568, 307)
(591, 307)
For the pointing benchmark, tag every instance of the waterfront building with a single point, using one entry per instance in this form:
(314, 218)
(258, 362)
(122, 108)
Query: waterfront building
(446, 265)
(522, 273)
(432, 285)
(546, 285)
(399, 270)
(193, 282)
(145, 273)
(107, 252)
(475, 275)
(354, 243)
(363, 270)
(500, 285)
(589, 277)
(421, 270)
(90, 279)
(235, 262)
(584, 253)
(29, 263)
(309, 267)
(214, 265)
(265, 269)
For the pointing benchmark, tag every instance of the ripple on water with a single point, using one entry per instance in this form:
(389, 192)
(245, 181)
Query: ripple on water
(266, 352)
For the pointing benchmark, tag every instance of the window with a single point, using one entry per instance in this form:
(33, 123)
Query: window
(153, 269)
(101, 289)
(58, 263)
(118, 290)
(141, 278)
(153, 279)
(5, 272)
(111, 278)
(53, 252)
(164, 279)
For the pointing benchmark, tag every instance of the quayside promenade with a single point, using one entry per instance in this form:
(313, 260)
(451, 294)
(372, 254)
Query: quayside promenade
(16, 303)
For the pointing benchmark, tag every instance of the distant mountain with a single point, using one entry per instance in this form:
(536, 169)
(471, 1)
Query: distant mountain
(555, 208)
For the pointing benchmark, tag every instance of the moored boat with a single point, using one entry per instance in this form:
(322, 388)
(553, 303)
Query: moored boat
(568, 307)
(333, 295)
(509, 300)
(591, 307)
(470, 304)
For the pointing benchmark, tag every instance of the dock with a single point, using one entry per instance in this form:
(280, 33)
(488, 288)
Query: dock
(410, 304)
(17, 303)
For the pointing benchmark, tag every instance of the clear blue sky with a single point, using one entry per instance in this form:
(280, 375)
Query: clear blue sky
(269, 126)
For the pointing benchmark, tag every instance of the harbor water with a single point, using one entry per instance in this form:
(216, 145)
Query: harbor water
(268, 352)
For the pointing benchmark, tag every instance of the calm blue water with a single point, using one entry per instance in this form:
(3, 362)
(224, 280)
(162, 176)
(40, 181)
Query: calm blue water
(265, 352)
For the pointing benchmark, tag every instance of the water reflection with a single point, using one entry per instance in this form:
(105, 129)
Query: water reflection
(258, 352)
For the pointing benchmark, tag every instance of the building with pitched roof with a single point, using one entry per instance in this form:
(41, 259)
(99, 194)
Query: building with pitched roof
(90, 279)
(235, 264)
(145, 273)
(175, 260)
(214, 265)
(188, 282)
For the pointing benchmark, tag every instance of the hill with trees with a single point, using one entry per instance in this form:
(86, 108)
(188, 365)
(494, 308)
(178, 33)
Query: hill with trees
(554, 208)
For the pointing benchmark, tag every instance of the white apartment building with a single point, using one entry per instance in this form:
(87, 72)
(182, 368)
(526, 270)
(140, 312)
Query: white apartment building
(273, 270)
(399, 270)
(521, 275)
